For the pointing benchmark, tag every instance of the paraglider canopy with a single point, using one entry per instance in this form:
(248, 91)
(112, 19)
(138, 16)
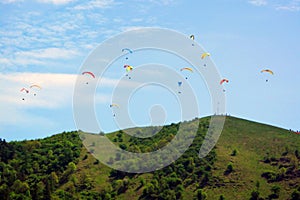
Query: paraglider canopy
(127, 49)
(35, 86)
(204, 55)
(223, 81)
(187, 68)
(128, 68)
(24, 89)
(268, 71)
(90, 73)
(114, 105)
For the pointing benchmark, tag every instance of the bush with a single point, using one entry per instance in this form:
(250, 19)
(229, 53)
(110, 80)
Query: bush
(296, 194)
(234, 152)
(270, 176)
(85, 157)
(201, 195)
(229, 169)
(254, 195)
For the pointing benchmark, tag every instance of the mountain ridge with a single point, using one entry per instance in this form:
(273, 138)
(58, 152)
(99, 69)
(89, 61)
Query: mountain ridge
(250, 160)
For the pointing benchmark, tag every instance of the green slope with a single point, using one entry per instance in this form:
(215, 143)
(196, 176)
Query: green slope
(264, 159)
(254, 143)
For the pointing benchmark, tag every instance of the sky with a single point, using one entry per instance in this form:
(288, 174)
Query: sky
(46, 42)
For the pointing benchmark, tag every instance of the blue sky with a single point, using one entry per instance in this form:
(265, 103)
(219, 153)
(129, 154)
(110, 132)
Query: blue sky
(46, 41)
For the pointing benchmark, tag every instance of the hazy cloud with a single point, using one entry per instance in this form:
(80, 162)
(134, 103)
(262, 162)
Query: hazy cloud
(258, 2)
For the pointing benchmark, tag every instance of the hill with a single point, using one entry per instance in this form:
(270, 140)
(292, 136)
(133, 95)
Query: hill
(250, 161)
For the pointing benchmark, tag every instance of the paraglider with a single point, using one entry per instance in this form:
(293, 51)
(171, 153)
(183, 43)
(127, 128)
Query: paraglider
(267, 71)
(24, 89)
(90, 74)
(128, 69)
(186, 68)
(204, 55)
(127, 49)
(35, 86)
(114, 105)
(179, 85)
(224, 80)
(192, 37)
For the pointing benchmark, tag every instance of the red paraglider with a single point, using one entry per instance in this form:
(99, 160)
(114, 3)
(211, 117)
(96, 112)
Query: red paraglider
(90, 73)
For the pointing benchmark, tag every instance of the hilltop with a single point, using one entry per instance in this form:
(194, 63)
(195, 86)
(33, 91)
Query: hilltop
(250, 161)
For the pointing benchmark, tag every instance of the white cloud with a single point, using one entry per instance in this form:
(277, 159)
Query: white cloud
(95, 4)
(163, 2)
(49, 53)
(132, 28)
(10, 1)
(57, 89)
(289, 8)
(258, 2)
(4, 61)
(56, 2)
(293, 6)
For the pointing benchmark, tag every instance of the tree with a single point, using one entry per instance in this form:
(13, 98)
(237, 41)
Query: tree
(20, 187)
(229, 169)
(221, 197)
(40, 189)
(296, 194)
(200, 194)
(275, 192)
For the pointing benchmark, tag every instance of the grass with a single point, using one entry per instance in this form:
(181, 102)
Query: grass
(253, 141)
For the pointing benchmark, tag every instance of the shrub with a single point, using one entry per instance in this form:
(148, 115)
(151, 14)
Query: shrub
(234, 152)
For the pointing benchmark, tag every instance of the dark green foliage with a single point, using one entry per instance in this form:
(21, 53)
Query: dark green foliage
(234, 152)
(254, 195)
(33, 169)
(275, 192)
(229, 169)
(6, 151)
(271, 176)
(201, 195)
(296, 194)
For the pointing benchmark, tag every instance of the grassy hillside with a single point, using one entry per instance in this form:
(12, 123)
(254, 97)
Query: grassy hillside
(250, 161)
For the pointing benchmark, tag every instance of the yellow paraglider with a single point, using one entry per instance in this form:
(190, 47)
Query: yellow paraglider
(128, 68)
(187, 68)
(267, 70)
(192, 37)
(114, 105)
(204, 55)
(37, 86)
